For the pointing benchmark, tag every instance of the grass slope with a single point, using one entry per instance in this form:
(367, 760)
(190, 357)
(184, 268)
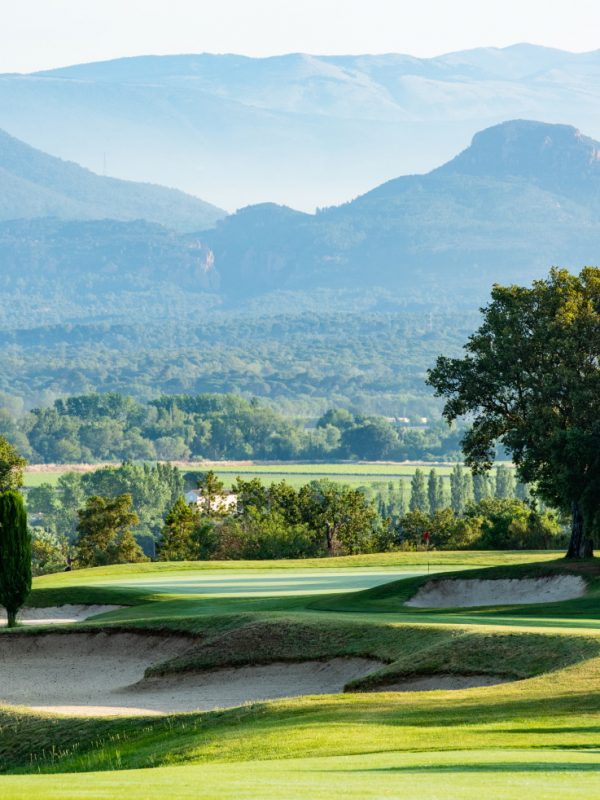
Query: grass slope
(537, 734)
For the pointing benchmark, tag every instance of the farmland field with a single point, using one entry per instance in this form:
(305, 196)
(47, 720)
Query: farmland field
(356, 474)
(535, 732)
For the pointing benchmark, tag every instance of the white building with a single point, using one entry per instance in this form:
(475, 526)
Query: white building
(221, 503)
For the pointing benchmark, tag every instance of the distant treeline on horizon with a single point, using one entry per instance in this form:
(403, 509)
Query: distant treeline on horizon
(114, 427)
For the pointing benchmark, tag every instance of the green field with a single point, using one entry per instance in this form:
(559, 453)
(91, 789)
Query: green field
(536, 734)
(355, 474)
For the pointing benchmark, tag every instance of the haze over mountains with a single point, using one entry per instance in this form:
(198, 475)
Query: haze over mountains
(299, 130)
(35, 184)
(524, 196)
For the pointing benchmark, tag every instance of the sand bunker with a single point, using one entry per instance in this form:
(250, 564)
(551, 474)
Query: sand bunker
(430, 683)
(58, 615)
(469, 593)
(101, 674)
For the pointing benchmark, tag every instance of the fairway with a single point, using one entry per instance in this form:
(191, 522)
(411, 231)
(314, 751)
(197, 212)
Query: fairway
(455, 774)
(533, 732)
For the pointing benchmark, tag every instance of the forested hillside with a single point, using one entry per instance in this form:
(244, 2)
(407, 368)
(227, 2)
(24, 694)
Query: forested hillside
(374, 362)
(35, 184)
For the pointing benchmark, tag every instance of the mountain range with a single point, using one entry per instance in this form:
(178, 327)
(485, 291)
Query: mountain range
(522, 197)
(300, 130)
(35, 184)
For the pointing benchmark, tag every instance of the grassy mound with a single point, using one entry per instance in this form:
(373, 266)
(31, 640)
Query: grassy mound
(391, 597)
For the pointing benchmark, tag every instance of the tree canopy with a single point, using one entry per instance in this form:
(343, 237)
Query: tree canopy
(530, 379)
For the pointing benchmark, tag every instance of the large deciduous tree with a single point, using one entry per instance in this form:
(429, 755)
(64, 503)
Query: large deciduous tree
(15, 554)
(530, 380)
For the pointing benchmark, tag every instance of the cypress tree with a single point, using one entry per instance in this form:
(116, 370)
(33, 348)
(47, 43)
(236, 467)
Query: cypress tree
(15, 555)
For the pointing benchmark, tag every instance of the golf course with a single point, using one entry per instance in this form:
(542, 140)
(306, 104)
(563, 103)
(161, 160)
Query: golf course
(377, 676)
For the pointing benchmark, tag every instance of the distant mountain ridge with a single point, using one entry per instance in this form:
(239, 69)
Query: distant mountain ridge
(300, 130)
(35, 184)
(523, 197)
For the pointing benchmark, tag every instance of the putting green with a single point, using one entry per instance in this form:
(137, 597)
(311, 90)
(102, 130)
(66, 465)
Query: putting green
(271, 583)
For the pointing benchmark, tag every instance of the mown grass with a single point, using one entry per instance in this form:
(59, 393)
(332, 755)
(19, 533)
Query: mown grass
(391, 597)
(538, 734)
(527, 713)
(409, 560)
(457, 774)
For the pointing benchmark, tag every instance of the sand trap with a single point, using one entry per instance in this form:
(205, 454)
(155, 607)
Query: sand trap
(58, 615)
(103, 674)
(431, 683)
(469, 593)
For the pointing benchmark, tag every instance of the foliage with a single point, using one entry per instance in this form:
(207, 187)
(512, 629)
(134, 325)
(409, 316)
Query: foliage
(15, 554)
(12, 466)
(153, 488)
(108, 427)
(531, 379)
(491, 524)
(104, 532)
(187, 534)
(49, 552)
(419, 499)
(265, 534)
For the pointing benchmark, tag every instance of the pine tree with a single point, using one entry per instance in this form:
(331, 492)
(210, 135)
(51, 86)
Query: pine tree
(104, 532)
(15, 554)
(419, 500)
(176, 540)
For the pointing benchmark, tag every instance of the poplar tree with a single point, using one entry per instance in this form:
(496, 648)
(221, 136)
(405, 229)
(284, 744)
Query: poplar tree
(505, 483)
(419, 500)
(435, 492)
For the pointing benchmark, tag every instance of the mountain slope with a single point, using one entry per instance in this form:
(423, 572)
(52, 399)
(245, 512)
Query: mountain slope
(35, 184)
(297, 129)
(524, 196)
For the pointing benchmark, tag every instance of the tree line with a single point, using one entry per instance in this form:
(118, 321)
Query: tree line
(135, 512)
(114, 427)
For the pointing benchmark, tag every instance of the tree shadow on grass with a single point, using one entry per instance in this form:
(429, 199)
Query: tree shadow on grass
(502, 766)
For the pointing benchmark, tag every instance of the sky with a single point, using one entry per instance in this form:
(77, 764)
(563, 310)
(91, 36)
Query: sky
(41, 34)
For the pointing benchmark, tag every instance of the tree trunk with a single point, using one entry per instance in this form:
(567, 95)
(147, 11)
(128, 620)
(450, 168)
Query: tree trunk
(580, 545)
(330, 537)
(11, 616)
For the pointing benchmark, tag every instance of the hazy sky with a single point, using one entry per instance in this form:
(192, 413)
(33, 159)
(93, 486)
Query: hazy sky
(37, 34)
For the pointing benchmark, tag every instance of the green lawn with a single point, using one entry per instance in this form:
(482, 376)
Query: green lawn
(536, 735)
